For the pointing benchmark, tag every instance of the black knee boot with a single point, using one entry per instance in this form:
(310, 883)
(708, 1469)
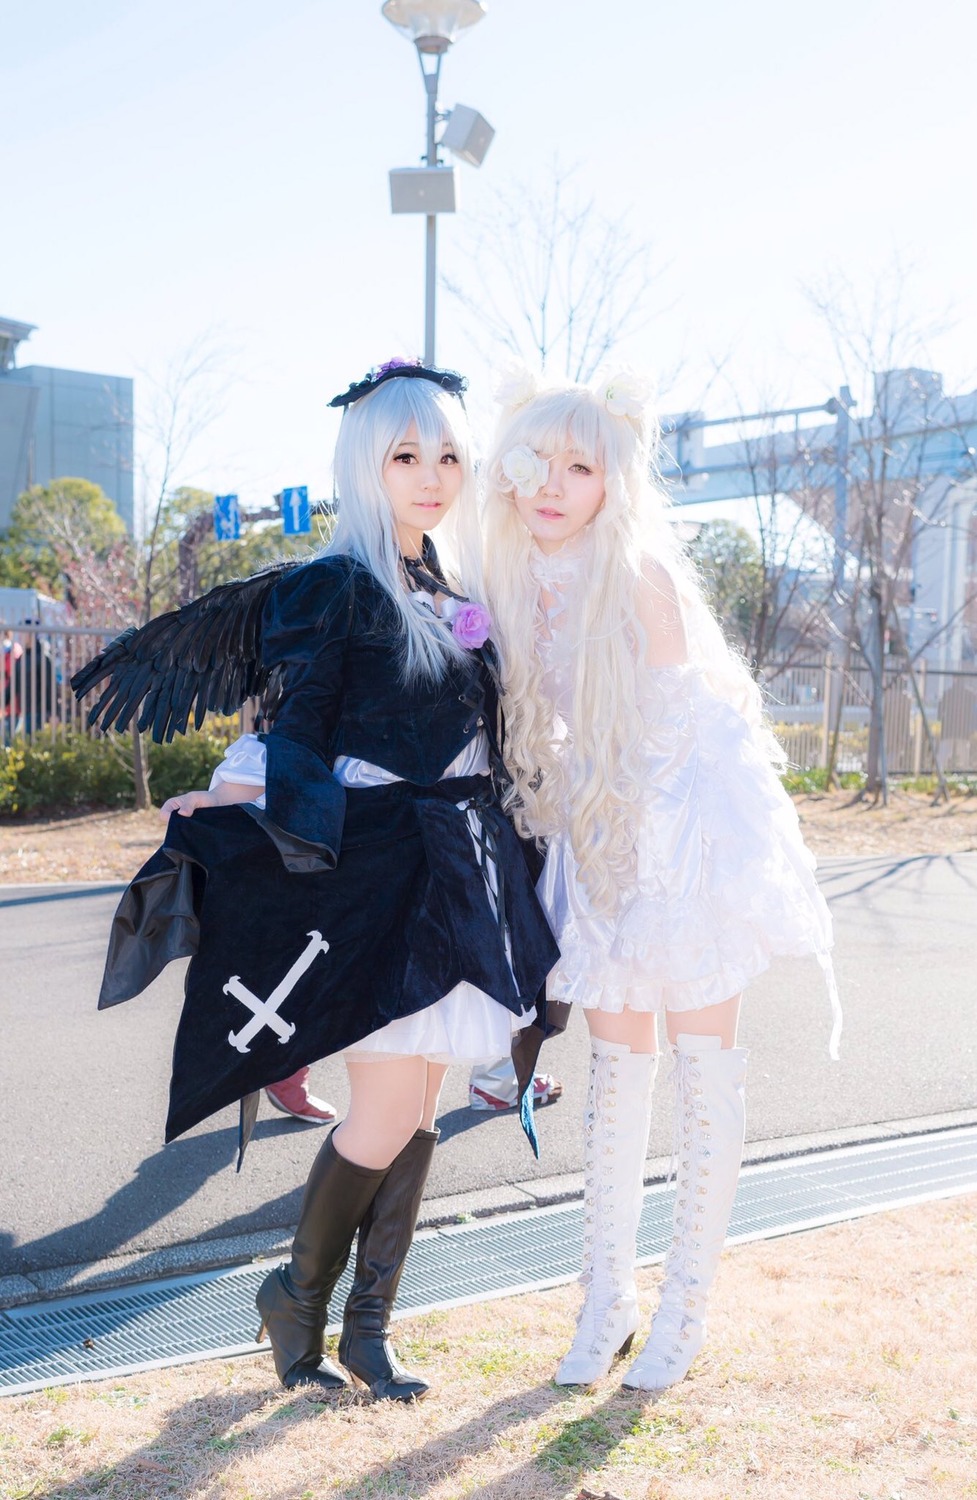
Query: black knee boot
(384, 1240)
(293, 1300)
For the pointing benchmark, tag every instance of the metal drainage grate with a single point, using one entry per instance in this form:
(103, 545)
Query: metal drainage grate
(211, 1315)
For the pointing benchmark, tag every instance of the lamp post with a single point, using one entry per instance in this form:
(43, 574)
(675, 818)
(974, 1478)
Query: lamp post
(432, 26)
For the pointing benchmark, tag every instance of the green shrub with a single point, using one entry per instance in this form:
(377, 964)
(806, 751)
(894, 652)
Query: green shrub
(187, 762)
(75, 771)
(66, 773)
(11, 765)
(816, 780)
(959, 784)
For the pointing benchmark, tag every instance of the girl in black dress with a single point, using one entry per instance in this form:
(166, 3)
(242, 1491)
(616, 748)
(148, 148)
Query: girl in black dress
(405, 906)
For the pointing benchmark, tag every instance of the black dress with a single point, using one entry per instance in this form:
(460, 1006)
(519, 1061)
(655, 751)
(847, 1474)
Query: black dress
(336, 910)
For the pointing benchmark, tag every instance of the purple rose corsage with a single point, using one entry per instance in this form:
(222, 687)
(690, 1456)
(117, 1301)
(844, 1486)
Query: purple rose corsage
(471, 626)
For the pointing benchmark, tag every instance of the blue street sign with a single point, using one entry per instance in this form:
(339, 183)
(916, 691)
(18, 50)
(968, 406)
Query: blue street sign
(227, 518)
(296, 512)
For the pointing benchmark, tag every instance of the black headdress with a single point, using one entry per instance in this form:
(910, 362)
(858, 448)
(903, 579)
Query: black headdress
(448, 380)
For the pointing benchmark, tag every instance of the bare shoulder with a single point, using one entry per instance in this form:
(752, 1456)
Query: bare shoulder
(659, 612)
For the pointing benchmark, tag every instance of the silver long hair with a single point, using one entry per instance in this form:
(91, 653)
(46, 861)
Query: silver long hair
(370, 432)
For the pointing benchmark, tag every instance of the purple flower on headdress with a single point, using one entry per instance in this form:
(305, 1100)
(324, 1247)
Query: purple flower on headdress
(471, 626)
(393, 364)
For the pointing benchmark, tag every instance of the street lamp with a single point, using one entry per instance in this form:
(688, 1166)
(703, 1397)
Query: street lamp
(433, 25)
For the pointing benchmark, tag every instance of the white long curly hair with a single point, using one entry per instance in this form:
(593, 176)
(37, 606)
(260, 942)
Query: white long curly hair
(595, 788)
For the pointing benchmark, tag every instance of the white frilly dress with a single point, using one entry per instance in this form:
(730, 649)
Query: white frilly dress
(466, 1025)
(723, 882)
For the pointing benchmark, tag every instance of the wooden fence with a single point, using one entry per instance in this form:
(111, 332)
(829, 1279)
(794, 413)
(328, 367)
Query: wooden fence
(804, 698)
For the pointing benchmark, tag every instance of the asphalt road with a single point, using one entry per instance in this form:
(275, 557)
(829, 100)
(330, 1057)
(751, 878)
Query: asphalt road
(84, 1175)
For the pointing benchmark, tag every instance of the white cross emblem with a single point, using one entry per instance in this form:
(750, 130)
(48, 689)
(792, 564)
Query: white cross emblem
(265, 1012)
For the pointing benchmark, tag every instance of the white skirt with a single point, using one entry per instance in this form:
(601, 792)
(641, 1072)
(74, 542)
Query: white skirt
(466, 1025)
(724, 882)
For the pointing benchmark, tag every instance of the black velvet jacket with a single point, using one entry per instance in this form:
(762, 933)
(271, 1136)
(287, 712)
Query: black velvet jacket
(337, 635)
(403, 919)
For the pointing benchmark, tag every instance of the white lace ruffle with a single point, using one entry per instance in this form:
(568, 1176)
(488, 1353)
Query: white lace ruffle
(465, 1025)
(724, 881)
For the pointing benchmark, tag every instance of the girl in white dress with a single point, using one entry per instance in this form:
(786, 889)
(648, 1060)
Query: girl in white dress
(675, 868)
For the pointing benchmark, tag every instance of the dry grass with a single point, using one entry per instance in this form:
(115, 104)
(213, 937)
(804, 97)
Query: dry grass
(85, 846)
(112, 845)
(841, 1366)
(834, 823)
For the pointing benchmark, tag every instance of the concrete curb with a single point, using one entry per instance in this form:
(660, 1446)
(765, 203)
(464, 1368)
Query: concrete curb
(498, 1202)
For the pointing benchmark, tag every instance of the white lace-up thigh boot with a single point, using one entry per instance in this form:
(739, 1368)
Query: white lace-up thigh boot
(616, 1123)
(710, 1115)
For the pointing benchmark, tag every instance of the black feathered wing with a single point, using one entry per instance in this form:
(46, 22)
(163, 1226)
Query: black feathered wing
(205, 657)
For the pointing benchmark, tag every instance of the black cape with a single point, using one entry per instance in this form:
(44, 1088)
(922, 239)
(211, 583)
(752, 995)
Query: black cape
(291, 962)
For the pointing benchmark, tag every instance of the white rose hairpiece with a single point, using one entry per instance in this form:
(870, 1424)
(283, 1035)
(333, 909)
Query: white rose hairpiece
(515, 386)
(525, 471)
(625, 394)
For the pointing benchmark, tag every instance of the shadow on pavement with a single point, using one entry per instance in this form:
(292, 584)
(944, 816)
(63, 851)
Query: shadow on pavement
(882, 872)
(163, 1182)
(62, 894)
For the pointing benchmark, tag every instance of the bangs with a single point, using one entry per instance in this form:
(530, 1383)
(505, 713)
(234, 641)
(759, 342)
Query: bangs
(438, 416)
(563, 421)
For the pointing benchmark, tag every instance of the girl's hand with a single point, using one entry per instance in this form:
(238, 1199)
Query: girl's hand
(187, 803)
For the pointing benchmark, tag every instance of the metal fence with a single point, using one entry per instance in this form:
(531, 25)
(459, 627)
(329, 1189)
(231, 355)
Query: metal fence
(38, 663)
(804, 701)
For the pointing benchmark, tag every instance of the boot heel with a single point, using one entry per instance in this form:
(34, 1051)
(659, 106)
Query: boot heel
(293, 1327)
(626, 1346)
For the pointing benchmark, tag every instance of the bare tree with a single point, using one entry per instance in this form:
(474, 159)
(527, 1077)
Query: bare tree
(783, 469)
(550, 279)
(180, 405)
(786, 473)
(841, 521)
(880, 344)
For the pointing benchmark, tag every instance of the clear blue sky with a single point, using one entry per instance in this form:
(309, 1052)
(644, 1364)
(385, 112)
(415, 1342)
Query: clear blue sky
(221, 164)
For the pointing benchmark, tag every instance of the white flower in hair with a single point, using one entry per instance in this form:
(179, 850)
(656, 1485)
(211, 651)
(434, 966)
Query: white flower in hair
(515, 386)
(525, 471)
(626, 394)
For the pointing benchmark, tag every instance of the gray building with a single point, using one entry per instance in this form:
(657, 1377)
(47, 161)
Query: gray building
(59, 423)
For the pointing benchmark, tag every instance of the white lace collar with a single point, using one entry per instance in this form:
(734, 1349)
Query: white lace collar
(561, 569)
